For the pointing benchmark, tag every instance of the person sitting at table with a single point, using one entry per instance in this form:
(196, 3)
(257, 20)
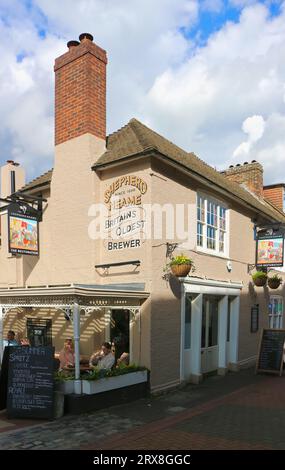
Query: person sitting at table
(25, 342)
(124, 359)
(103, 359)
(66, 355)
(10, 341)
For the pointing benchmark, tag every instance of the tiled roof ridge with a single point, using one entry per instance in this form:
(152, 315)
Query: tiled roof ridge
(191, 154)
(34, 181)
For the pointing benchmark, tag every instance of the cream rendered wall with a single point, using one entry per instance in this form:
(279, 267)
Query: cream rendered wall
(67, 253)
(130, 273)
(172, 187)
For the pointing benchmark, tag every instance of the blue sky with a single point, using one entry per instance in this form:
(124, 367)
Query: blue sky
(209, 75)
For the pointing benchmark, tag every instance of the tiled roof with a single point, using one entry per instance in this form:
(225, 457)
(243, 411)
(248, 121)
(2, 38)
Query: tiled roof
(38, 182)
(136, 138)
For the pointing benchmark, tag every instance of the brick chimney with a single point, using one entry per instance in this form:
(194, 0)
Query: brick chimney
(249, 175)
(80, 90)
(275, 193)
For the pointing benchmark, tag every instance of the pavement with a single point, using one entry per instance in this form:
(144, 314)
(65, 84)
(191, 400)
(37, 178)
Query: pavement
(240, 411)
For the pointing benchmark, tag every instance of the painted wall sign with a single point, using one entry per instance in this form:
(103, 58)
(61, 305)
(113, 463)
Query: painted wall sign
(270, 251)
(125, 225)
(23, 230)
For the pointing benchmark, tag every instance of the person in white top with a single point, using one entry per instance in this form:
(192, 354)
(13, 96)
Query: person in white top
(103, 359)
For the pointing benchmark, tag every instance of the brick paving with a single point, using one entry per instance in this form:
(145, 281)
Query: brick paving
(239, 411)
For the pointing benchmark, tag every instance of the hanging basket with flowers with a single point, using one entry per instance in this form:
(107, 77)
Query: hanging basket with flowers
(274, 281)
(259, 278)
(181, 265)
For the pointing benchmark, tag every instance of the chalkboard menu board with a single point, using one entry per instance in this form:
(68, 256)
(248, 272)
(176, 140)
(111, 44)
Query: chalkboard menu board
(270, 356)
(4, 378)
(30, 382)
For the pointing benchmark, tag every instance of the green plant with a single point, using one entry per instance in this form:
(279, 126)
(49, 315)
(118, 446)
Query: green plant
(259, 275)
(97, 374)
(180, 259)
(62, 375)
(276, 277)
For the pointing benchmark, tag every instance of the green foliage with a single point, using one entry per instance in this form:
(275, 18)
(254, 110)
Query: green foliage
(276, 277)
(122, 369)
(63, 375)
(259, 275)
(180, 259)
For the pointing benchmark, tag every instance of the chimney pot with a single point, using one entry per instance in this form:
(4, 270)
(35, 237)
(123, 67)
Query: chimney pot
(11, 162)
(245, 163)
(238, 164)
(72, 44)
(253, 161)
(84, 36)
(231, 166)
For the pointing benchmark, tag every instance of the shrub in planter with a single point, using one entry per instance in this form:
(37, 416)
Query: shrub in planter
(259, 278)
(180, 265)
(274, 281)
(103, 380)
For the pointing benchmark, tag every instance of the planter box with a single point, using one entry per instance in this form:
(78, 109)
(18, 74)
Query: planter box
(66, 386)
(91, 387)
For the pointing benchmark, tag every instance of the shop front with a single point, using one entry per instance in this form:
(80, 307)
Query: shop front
(89, 314)
(210, 325)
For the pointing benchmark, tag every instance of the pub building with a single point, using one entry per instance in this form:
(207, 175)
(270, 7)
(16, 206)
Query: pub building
(94, 288)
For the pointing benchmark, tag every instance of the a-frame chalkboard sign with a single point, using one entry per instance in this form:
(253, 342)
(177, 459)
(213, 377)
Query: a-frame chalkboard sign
(271, 351)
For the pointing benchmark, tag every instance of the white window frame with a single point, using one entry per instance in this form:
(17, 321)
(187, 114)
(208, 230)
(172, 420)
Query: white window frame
(204, 248)
(279, 316)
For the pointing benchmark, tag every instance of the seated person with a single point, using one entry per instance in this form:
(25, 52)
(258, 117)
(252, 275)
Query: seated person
(103, 359)
(66, 355)
(123, 359)
(25, 342)
(10, 341)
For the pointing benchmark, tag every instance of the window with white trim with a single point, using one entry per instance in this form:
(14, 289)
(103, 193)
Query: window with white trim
(212, 225)
(276, 311)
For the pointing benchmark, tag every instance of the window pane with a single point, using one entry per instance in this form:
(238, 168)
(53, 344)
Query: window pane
(200, 209)
(222, 241)
(199, 234)
(211, 238)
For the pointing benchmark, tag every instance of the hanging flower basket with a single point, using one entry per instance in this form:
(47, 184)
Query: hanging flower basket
(274, 282)
(181, 270)
(180, 265)
(259, 278)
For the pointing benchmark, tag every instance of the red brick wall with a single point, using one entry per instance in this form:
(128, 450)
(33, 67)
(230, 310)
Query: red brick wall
(274, 195)
(80, 92)
(248, 174)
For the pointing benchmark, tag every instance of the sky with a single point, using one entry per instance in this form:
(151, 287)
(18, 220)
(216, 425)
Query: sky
(209, 75)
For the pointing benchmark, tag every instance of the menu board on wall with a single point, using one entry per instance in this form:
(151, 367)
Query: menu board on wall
(271, 351)
(30, 382)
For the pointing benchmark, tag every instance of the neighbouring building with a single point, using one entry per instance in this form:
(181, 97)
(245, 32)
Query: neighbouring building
(180, 328)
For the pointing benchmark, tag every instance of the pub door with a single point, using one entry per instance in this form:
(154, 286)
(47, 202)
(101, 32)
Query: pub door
(120, 331)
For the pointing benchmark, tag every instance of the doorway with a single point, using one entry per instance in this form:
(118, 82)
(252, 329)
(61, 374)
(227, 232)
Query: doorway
(120, 331)
(209, 334)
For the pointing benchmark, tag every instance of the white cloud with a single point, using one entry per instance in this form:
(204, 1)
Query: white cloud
(253, 126)
(240, 73)
(142, 39)
(199, 97)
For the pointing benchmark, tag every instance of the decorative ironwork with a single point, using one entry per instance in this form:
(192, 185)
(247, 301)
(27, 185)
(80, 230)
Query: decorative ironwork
(170, 247)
